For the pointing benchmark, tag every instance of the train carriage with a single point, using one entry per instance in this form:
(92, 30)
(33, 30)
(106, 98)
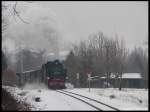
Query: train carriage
(53, 74)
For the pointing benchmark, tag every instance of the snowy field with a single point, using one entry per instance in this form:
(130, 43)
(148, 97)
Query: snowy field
(127, 99)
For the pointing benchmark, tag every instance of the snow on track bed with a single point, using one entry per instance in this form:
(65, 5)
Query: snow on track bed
(80, 100)
(127, 99)
(123, 100)
(49, 100)
(92, 102)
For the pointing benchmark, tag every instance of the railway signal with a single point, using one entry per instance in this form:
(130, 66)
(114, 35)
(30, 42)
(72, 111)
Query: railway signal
(89, 79)
(77, 81)
(77, 75)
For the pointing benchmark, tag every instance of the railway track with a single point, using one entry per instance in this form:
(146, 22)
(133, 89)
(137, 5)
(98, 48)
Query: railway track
(100, 106)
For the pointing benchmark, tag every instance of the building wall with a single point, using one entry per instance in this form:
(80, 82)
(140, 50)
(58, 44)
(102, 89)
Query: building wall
(126, 83)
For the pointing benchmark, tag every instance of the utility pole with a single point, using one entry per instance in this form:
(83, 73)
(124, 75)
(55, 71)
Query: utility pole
(107, 63)
(21, 65)
(121, 71)
(89, 81)
(21, 62)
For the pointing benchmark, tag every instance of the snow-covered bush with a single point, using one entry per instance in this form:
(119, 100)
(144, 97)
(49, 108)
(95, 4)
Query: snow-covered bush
(69, 86)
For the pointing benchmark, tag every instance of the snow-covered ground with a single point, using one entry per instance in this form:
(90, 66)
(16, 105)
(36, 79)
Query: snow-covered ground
(127, 99)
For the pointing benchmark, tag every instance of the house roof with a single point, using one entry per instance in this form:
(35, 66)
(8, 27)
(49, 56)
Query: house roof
(131, 75)
(127, 75)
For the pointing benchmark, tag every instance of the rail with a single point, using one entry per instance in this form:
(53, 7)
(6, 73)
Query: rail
(80, 100)
(93, 100)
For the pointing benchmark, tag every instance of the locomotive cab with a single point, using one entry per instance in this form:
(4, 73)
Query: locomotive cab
(55, 74)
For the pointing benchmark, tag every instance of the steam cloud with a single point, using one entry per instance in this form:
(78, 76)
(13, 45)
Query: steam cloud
(42, 33)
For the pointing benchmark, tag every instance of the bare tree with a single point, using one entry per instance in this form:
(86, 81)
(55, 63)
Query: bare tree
(10, 9)
(122, 57)
(100, 55)
(70, 64)
(4, 17)
(96, 47)
(138, 62)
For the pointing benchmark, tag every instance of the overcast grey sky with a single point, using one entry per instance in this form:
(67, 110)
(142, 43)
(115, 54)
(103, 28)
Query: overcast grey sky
(77, 20)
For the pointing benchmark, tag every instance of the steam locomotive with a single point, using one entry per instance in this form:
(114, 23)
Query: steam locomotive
(53, 74)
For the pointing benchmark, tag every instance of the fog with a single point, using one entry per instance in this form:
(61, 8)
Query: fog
(54, 26)
(31, 86)
(42, 32)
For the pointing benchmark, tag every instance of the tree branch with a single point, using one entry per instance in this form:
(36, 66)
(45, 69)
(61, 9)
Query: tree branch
(17, 13)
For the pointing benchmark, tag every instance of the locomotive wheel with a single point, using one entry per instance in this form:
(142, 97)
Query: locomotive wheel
(62, 87)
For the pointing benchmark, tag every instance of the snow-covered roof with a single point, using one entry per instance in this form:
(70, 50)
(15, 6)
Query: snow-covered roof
(64, 53)
(61, 56)
(131, 75)
(103, 77)
(50, 54)
(31, 70)
(61, 53)
(34, 50)
(127, 75)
